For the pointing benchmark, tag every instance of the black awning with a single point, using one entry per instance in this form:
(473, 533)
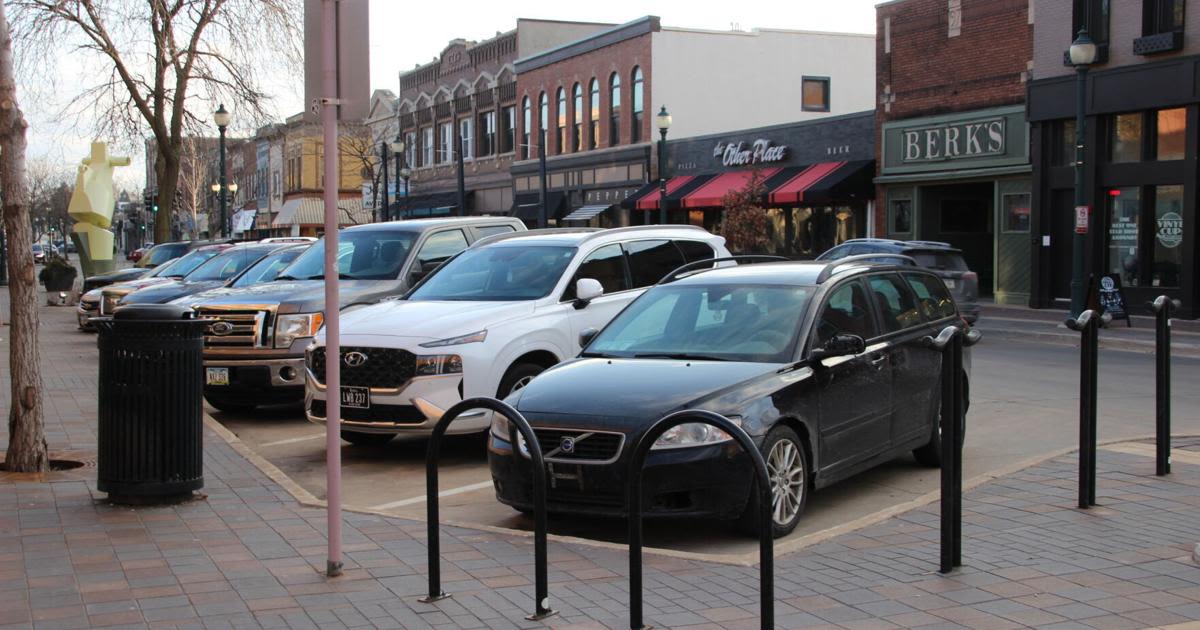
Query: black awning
(429, 204)
(528, 206)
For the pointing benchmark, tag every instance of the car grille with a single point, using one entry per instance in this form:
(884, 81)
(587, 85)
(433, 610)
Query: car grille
(249, 328)
(89, 306)
(589, 446)
(396, 414)
(385, 368)
(108, 304)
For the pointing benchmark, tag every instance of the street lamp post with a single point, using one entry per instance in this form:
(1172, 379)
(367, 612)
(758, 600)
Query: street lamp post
(398, 147)
(462, 188)
(544, 218)
(405, 173)
(222, 118)
(663, 120)
(381, 213)
(1082, 54)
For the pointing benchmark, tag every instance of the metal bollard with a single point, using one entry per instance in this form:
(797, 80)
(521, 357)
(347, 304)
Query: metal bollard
(1088, 324)
(541, 590)
(1162, 306)
(766, 538)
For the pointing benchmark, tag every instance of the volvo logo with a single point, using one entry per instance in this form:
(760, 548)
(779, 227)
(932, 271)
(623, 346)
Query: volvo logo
(221, 328)
(354, 359)
(567, 445)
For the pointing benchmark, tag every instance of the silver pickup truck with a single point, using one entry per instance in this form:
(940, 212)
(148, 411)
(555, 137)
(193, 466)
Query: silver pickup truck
(254, 344)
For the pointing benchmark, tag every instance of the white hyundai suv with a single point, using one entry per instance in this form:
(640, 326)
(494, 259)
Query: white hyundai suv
(488, 321)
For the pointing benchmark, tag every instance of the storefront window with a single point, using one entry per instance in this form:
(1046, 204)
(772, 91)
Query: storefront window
(1124, 210)
(901, 215)
(1016, 212)
(1172, 126)
(1126, 144)
(1168, 236)
(1064, 143)
(815, 94)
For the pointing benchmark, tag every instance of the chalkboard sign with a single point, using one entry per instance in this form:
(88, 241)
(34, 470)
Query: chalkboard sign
(1107, 298)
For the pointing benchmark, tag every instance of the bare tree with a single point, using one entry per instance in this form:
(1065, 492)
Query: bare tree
(193, 179)
(49, 190)
(171, 61)
(26, 433)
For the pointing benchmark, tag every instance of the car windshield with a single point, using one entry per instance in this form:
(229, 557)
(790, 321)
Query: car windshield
(267, 268)
(184, 265)
(228, 263)
(945, 261)
(722, 322)
(362, 255)
(160, 254)
(497, 274)
(37, 249)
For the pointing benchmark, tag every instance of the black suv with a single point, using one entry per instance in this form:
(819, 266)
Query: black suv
(943, 258)
(822, 364)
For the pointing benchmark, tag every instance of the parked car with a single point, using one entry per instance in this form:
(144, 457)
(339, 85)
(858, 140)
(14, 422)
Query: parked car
(111, 295)
(265, 270)
(89, 302)
(154, 256)
(943, 258)
(138, 253)
(488, 321)
(214, 273)
(254, 349)
(39, 253)
(821, 363)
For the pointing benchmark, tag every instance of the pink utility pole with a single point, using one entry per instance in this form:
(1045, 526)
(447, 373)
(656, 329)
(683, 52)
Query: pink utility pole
(333, 354)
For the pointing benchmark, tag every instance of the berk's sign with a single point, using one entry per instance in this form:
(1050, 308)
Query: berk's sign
(741, 154)
(957, 140)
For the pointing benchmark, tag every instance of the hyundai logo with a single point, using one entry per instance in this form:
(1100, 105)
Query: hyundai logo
(567, 445)
(221, 328)
(354, 359)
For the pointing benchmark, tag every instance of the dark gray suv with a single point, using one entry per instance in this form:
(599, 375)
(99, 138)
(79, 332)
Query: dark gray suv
(942, 258)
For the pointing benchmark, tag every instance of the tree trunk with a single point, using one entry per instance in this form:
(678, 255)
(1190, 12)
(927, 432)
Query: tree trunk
(26, 434)
(168, 181)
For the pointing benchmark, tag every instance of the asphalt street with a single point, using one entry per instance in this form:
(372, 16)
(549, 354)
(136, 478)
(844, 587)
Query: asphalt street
(1024, 405)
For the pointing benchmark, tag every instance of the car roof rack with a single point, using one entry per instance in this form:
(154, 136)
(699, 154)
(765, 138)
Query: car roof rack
(872, 240)
(931, 244)
(833, 266)
(495, 238)
(710, 263)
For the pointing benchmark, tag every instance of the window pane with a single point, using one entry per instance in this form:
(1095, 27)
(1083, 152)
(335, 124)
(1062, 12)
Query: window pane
(440, 246)
(695, 250)
(649, 261)
(1016, 212)
(1123, 252)
(508, 122)
(1172, 126)
(1127, 138)
(606, 265)
(815, 95)
(846, 313)
(895, 304)
(1168, 236)
(1064, 143)
(932, 295)
(901, 216)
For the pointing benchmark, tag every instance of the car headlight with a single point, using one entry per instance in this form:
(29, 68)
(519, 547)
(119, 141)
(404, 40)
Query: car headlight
(500, 426)
(434, 364)
(693, 434)
(475, 337)
(109, 304)
(289, 328)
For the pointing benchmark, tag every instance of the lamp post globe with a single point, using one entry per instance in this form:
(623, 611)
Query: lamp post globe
(663, 122)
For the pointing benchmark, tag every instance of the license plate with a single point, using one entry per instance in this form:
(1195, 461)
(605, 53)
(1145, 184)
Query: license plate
(216, 376)
(356, 397)
(949, 283)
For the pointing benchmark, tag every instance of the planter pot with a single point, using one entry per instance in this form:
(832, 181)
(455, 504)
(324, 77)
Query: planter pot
(59, 280)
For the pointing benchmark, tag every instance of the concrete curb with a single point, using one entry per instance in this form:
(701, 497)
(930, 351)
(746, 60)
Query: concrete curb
(1186, 350)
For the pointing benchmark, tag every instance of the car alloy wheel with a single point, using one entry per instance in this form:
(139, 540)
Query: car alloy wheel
(785, 467)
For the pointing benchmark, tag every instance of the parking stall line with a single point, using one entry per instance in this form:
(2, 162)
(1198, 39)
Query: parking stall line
(294, 440)
(421, 499)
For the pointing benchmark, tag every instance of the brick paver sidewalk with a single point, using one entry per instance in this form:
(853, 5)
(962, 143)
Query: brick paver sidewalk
(249, 555)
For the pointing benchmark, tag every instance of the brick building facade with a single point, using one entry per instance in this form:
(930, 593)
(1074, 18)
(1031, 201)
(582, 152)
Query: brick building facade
(953, 147)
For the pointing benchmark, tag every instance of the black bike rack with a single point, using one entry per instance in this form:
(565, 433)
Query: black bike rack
(1088, 324)
(950, 342)
(1162, 306)
(541, 594)
(766, 557)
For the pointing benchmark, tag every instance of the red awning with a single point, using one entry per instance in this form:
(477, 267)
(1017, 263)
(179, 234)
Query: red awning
(649, 199)
(711, 194)
(792, 191)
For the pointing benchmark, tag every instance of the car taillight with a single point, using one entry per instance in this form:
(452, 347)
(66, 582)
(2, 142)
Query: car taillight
(970, 275)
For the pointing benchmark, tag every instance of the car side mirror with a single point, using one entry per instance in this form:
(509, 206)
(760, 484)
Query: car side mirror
(839, 346)
(420, 270)
(587, 336)
(586, 290)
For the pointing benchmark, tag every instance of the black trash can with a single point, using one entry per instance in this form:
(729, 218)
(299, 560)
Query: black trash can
(150, 404)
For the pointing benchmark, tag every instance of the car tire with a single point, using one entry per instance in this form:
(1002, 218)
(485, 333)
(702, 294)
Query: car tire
(231, 407)
(366, 439)
(931, 453)
(786, 458)
(517, 377)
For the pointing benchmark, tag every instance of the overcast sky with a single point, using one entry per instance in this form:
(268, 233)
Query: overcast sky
(404, 34)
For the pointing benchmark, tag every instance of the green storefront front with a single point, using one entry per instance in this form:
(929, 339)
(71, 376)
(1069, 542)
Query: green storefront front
(965, 179)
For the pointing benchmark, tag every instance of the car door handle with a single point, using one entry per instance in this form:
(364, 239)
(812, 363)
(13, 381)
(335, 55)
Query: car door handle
(877, 362)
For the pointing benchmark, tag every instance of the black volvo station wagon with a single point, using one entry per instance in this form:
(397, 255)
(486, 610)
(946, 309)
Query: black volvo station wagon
(821, 363)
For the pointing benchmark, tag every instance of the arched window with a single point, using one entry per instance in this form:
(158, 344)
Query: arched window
(577, 115)
(527, 120)
(638, 105)
(543, 121)
(594, 114)
(614, 110)
(560, 139)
